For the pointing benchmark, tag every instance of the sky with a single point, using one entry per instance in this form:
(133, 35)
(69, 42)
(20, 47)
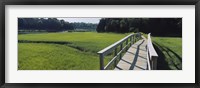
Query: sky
(86, 20)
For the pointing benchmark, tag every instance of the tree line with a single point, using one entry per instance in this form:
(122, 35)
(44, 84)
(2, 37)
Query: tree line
(82, 25)
(51, 25)
(156, 26)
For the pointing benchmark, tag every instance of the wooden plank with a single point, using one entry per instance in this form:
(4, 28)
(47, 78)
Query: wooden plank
(151, 53)
(101, 62)
(135, 58)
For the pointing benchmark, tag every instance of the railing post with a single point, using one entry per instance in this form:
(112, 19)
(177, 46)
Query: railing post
(151, 63)
(120, 50)
(139, 35)
(131, 40)
(126, 44)
(101, 56)
(115, 63)
(154, 63)
(135, 38)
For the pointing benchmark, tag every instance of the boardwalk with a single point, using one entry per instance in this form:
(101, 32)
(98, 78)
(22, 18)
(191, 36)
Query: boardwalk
(135, 58)
(140, 55)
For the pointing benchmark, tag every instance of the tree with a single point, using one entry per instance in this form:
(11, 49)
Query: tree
(101, 26)
(155, 26)
(47, 24)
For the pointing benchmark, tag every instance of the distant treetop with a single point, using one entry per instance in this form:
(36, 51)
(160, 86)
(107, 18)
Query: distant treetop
(156, 26)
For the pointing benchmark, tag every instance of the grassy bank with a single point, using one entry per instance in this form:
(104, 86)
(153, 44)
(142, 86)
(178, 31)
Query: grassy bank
(63, 51)
(169, 50)
(36, 56)
(78, 50)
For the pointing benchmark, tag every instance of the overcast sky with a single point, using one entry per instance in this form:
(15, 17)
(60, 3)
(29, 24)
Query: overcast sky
(86, 20)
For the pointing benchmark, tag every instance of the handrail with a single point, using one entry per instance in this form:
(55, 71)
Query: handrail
(111, 47)
(114, 46)
(148, 61)
(151, 54)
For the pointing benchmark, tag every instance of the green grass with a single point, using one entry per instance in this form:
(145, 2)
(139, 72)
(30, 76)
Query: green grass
(79, 52)
(170, 52)
(53, 56)
(89, 41)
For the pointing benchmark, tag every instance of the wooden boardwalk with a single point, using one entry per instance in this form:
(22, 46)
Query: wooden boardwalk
(135, 58)
(140, 55)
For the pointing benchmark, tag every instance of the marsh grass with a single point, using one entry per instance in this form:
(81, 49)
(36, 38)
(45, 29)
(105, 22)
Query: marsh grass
(64, 50)
(170, 51)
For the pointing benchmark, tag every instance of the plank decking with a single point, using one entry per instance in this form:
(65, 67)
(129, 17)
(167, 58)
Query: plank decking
(135, 58)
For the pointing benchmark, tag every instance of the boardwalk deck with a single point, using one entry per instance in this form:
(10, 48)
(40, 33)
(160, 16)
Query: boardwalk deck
(135, 58)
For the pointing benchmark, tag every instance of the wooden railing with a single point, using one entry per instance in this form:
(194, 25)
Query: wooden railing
(151, 55)
(133, 38)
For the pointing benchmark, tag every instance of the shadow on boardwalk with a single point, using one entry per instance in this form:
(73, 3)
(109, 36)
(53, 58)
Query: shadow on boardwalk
(162, 64)
(136, 57)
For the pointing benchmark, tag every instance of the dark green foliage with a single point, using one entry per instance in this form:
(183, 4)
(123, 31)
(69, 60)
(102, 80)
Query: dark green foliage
(52, 25)
(155, 26)
(101, 25)
(49, 24)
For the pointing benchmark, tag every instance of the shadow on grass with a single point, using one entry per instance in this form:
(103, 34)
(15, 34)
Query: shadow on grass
(162, 64)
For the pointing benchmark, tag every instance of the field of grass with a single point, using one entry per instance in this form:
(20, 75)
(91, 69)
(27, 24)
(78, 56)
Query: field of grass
(53, 56)
(169, 50)
(78, 50)
(63, 51)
